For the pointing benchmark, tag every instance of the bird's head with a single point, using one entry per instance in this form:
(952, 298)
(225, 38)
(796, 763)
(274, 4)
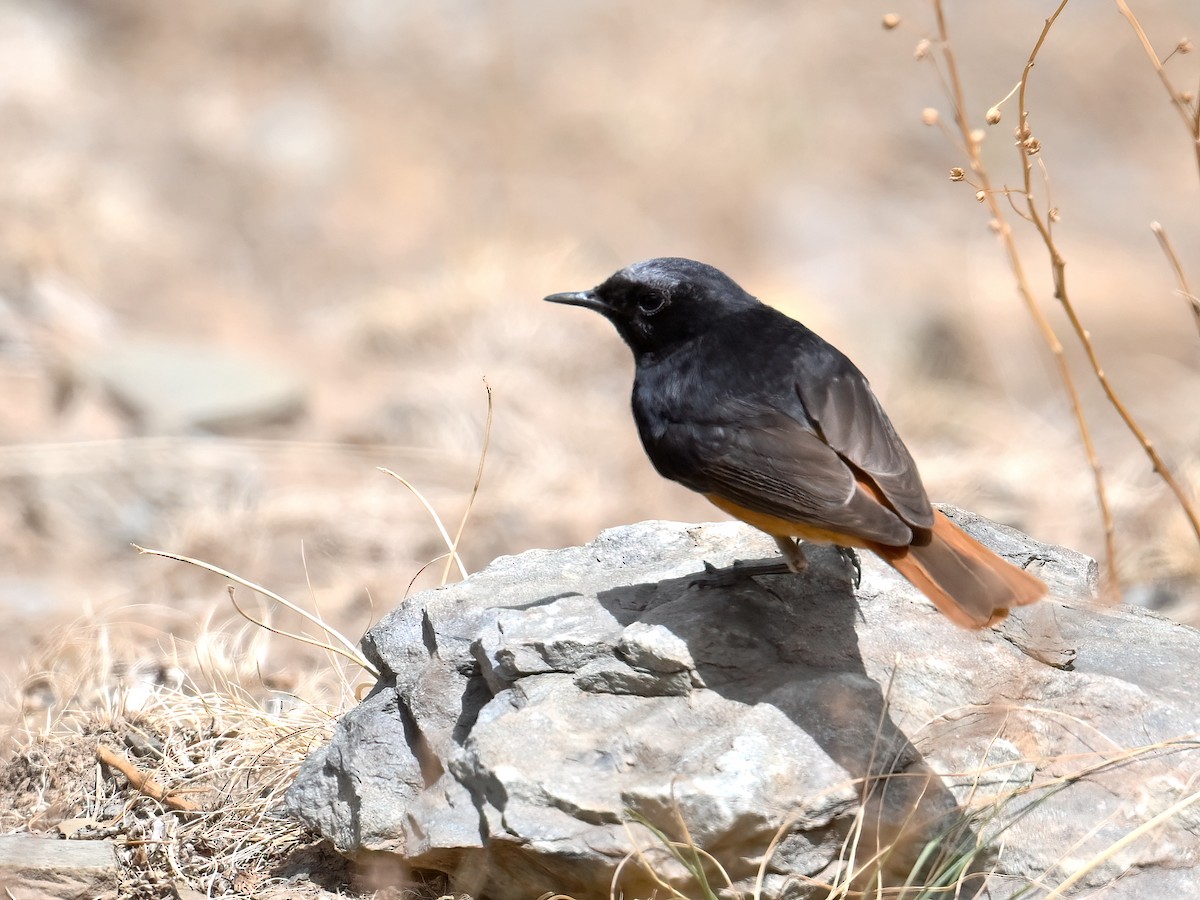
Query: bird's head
(659, 303)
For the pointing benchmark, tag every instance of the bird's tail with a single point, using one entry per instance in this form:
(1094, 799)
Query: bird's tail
(965, 580)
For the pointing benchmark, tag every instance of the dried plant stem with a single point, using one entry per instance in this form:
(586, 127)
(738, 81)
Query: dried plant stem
(142, 781)
(344, 646)
(1189, 112)
(1026, 146)
(437, 520)
(487, 439)
(290, 635)
(1117, 846)
(991, 197)
(1185, 289)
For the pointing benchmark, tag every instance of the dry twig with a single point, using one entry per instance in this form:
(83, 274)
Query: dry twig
(1027, 146)
(987, 194)
(487, 439)
(1185, 289)
(1187, 107)
(344, 647)
(142, 781)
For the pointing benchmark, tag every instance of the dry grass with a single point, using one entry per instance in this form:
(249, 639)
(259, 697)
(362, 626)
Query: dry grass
(182, 757)
(964, 854)
(216, 743)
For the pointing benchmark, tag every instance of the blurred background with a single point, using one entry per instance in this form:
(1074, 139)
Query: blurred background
(251, 252)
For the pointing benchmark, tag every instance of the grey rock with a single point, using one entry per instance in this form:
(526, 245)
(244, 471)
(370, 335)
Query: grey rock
(38, 868)
(540, 726)
(172, 387)
(358, 787)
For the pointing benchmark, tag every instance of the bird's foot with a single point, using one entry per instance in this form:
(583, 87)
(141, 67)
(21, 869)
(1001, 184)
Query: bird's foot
(850, 556)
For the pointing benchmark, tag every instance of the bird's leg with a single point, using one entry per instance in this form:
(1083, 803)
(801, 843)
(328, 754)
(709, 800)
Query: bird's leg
(850, 556)
(793, 553)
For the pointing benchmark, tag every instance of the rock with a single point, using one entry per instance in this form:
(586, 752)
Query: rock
(170, 387)
(546, 724)
(38, 868)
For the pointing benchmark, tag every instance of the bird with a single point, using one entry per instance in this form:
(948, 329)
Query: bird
(775, 426)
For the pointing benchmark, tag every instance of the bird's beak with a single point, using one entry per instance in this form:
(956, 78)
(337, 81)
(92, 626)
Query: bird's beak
(586, 299)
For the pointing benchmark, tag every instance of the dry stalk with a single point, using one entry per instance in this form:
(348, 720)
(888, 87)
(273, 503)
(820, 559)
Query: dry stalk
(1185, 289)
(437, 521)
(1117, 846)
(989, 195)
(142, 781)
(1027, 146)
(343, 647)
(487, 439)
(1188, 108)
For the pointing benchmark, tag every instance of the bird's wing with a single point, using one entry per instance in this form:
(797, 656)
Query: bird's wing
(852, 422)
(770, 463)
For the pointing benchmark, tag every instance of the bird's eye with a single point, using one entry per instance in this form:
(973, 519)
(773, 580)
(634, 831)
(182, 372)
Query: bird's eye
(652, 303)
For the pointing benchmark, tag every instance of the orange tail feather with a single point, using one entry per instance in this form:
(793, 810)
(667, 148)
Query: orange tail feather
(965, 580)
